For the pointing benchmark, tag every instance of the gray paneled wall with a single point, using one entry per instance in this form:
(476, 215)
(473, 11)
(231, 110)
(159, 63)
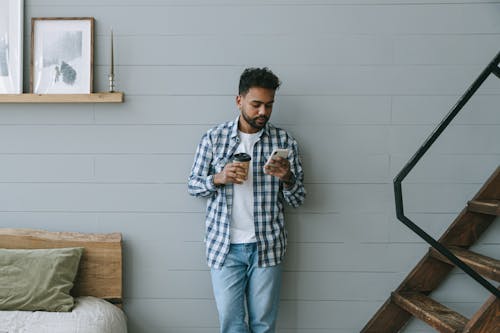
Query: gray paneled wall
(365, 82)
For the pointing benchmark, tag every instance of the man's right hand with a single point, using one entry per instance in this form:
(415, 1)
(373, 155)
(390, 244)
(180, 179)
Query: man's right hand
(232, 173)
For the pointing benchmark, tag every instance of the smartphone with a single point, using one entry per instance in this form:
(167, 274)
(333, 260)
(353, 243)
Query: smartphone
(277, 152)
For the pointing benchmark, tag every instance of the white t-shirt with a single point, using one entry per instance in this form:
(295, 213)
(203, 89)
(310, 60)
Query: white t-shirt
(242, 221)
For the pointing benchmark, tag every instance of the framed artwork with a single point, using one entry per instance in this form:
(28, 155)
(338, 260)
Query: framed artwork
(62, 55)
(11, 46)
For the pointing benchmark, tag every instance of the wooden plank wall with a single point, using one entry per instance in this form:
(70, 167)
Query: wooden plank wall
(365, 82)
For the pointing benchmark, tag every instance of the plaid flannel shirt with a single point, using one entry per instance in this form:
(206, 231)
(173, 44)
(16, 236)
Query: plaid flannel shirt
(213, 153)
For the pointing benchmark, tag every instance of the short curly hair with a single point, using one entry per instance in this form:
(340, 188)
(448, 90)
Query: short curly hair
(258, 77)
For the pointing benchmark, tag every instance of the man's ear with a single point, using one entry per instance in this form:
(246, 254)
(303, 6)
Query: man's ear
(239, 101)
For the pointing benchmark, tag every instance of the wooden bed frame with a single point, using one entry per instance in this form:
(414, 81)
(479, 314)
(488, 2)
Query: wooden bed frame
(100, 271)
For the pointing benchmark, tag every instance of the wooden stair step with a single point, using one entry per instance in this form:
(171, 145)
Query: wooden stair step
(428, 310)
(490, 207)
(486, 266)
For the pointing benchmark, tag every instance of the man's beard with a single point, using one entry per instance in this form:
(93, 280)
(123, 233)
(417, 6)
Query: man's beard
(253, 122)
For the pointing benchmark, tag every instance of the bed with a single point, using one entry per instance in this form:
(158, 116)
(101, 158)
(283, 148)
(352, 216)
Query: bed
(97, 289)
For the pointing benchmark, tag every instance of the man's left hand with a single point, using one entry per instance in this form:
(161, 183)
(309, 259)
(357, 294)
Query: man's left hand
(279, 167)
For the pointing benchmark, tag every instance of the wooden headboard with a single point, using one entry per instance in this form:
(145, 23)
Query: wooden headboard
(100, 271)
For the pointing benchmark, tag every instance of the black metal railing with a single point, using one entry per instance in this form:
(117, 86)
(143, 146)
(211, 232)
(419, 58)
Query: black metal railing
(491, 68)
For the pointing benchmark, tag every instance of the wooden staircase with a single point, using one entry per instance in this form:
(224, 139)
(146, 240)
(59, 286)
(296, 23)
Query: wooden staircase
(411, 298)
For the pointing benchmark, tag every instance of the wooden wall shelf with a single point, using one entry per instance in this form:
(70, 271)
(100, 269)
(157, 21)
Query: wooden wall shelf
(104, 97)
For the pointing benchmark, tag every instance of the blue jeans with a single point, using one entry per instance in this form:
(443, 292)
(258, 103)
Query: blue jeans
(241, 279)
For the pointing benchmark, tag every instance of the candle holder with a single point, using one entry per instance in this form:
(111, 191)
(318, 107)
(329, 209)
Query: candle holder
(111, 79)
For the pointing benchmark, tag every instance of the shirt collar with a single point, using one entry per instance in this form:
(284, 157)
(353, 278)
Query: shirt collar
(234, 129)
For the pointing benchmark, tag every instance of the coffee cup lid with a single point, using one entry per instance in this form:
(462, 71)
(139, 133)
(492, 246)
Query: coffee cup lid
(241, 157)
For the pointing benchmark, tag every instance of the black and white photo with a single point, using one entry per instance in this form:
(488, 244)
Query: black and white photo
(11, 46)
(62, 55)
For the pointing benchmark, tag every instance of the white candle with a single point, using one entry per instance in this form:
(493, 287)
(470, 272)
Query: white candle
(112, 72)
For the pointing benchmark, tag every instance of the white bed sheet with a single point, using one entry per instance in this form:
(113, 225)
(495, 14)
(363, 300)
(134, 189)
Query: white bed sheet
(90, 315)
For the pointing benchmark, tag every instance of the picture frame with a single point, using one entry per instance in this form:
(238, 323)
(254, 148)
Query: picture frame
(11, 46)
(62, 55)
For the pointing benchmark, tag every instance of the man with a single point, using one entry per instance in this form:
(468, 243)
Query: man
(245, 232)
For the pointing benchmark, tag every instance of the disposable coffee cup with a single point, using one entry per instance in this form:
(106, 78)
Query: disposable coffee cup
(244, 160)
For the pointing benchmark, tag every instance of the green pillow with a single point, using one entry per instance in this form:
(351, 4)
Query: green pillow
(35, 280)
